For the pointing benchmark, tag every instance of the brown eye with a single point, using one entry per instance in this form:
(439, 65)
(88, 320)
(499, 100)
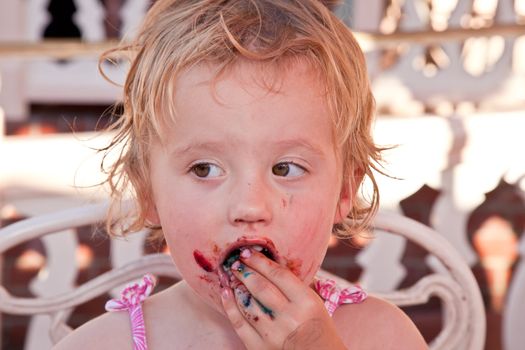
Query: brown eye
(206, 170)
(281, 169)
(201, 170)
(288, 169)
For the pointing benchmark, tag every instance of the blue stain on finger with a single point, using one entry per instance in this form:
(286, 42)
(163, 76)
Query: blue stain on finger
(243, 296)
(265, 309)
(247, 300)
(246, 274)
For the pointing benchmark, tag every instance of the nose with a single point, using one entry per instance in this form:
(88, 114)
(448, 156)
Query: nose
(250, 203)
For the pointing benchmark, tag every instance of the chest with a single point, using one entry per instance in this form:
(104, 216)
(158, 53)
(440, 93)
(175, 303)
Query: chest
(192, 335)
(176, 322)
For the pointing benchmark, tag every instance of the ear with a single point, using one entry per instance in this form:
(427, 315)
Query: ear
(346, 198)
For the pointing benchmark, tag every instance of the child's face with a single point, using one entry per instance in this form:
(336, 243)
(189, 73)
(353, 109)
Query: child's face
(243, 166)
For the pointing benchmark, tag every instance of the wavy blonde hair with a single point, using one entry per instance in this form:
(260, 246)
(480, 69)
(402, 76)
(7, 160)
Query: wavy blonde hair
(179, 34)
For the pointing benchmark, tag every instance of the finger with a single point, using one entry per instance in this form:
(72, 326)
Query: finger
(267, 295)
(249, 336)
(272, 327)
(261, 318)
(287, 282)
(253, 310)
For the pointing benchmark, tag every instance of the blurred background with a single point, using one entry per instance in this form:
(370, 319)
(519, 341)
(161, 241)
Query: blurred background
(449, 82)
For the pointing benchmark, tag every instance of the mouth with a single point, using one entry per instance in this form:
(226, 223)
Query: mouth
(233, 254)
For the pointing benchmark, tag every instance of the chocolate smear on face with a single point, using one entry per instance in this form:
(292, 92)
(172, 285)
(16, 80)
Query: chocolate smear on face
(201, 260)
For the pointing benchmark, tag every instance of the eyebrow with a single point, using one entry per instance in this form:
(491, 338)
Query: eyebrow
(220, 146)
(301, 143)
(198, 146)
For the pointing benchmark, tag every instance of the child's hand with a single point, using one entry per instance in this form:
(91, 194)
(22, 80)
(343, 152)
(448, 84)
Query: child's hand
(281, 313)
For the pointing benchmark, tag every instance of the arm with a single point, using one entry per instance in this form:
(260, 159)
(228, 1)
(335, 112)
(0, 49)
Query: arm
(109, 331)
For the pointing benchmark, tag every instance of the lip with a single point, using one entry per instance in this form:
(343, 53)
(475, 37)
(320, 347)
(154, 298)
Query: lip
(241, 242)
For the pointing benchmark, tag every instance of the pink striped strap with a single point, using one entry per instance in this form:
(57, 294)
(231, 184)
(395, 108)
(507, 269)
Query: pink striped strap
(334, 295)
(131, 299)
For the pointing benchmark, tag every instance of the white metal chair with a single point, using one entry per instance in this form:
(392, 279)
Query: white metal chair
(453, 282)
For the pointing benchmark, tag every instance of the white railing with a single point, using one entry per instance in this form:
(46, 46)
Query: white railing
(46, 80)
(442, 43)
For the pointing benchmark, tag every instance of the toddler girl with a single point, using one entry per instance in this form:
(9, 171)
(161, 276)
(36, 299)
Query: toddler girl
(246, 134)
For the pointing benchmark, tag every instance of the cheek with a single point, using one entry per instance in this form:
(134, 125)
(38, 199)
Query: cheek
(190, 242)
(307, 245)
(196, 261)
(184, 244)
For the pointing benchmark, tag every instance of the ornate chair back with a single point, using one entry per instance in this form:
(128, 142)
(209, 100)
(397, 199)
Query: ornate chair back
(57, 295)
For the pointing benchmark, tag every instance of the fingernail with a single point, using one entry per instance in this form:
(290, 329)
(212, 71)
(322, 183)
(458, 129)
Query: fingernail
(238, 266)
(225, 292)
(246, 253)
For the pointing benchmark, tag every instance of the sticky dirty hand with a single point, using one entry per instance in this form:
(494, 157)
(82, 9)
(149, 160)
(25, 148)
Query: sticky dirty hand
(272, 308)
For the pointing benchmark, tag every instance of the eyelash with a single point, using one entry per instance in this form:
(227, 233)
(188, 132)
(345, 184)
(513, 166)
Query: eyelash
(194, 168)
(289, 164)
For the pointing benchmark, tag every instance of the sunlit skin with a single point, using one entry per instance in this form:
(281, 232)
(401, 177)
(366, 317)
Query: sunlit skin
(243, 162)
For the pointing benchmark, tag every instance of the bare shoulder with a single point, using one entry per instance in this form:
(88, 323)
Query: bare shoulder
(377, 324)
(111, 330)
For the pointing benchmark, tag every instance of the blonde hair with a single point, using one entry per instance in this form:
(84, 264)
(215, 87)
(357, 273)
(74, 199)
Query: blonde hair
(179, 34)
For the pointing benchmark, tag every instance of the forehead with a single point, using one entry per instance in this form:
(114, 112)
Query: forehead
(249, 99)
(254, 77)
(291, 81)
